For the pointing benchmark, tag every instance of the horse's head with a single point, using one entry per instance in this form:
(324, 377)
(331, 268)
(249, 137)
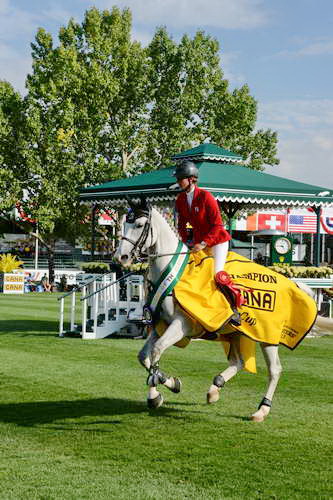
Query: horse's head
(136, 235)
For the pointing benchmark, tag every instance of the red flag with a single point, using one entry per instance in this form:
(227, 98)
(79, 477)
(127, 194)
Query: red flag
(272, 221)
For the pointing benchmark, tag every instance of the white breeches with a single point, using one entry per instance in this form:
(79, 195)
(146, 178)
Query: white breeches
(220, 255)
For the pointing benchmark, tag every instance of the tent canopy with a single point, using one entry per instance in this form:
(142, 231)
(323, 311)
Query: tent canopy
(222, 175)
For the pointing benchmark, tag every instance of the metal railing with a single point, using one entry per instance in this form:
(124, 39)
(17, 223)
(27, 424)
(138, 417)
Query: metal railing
(101, 298)
(108, 306)
(81, 287)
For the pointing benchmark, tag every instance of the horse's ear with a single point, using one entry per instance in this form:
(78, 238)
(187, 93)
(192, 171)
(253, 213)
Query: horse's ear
(132, 203)
(144, 204)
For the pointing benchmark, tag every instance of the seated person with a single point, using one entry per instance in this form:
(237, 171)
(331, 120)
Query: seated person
(45, 283)
(28, 285)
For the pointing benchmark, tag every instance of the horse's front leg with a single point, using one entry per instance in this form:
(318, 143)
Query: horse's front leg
(145, 353)
(173, 334)
(274, 367)
(144, 358)
(235, 365)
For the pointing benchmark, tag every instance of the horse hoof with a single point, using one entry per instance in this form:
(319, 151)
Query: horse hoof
(213, 395)
(261, 414)
(155, 402)
(178, 385)
(257, 418)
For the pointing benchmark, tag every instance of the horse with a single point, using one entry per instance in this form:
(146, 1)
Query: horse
(146, 234)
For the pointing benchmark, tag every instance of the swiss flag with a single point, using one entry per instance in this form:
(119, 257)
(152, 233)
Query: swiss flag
(272, 221)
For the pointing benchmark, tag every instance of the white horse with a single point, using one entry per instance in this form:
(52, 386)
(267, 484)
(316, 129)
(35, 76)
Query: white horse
(146, 232)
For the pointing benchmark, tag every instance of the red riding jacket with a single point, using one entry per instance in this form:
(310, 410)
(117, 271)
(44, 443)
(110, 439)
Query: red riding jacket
(204, 216)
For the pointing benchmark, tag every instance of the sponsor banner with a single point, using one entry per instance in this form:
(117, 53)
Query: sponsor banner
(37, 274)
(74, 276)
(12, 283)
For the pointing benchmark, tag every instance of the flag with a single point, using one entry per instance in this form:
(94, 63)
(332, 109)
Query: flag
(247, 223)
(106, 218)
(327, 224)
(272, 221)
(302, 223)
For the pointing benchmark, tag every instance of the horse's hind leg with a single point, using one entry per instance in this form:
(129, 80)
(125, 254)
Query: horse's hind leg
(235, 365)
(274, 367)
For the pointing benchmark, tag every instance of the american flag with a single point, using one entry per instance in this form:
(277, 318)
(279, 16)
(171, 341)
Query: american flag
(302, 223)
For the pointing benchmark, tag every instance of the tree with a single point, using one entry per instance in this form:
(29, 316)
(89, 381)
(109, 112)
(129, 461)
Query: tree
(191, 102)
(84, 117)
(11, 120)
(100, 107)
(106, 77)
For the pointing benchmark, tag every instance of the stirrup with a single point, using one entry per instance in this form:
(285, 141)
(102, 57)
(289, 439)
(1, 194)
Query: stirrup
(236, 319)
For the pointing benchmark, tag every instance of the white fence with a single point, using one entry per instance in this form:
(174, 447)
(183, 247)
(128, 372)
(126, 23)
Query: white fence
(107, 306)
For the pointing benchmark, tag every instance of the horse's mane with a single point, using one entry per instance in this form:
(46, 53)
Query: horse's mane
(161, 212)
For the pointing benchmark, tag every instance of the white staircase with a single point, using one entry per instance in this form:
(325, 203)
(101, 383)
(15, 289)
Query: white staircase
(108, 305)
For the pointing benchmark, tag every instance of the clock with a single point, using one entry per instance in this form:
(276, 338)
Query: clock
(282, 245)
(281, 250)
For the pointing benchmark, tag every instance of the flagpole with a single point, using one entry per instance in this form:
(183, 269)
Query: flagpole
(311, 249)
(323, 237)
(36, 248)
(251, 249)
(317, 240)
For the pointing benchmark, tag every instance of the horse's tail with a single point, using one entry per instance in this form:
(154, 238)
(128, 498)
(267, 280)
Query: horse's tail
(324, 324)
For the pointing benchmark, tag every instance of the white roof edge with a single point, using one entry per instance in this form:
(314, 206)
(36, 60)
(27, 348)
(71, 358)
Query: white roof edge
(225, 159)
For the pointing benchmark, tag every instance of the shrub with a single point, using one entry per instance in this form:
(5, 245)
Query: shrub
(95, 267)
(302, 271)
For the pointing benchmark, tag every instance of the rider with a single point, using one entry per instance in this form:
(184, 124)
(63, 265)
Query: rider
(199, 208)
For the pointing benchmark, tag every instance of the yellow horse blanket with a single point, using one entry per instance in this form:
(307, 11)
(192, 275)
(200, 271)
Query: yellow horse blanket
(276, 310)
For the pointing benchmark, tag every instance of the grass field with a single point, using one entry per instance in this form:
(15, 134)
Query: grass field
(74, 423)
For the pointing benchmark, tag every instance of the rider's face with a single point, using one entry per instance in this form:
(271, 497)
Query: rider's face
(185, 184)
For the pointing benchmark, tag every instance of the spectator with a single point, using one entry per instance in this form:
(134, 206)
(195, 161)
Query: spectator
(28, 283)
(45, 283)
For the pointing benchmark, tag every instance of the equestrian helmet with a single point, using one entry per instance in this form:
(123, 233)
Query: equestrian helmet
(186, 169)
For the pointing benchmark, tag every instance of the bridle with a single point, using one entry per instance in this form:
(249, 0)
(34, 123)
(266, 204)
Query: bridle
(136, 251)
(141, 241)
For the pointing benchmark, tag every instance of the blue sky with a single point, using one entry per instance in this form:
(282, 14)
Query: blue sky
(282, 49)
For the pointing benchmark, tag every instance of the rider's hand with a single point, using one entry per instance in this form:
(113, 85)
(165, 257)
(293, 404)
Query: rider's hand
(198, 246)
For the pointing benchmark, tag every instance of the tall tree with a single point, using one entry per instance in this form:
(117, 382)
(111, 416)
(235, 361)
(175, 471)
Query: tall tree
(108, 86)
(191, 102)
(85, 116)
(11, 136)
(100, 107)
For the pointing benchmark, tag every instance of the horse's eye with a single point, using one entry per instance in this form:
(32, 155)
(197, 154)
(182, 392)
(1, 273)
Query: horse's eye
(138, 225)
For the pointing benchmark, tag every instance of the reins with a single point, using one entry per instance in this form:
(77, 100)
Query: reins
(157, 255)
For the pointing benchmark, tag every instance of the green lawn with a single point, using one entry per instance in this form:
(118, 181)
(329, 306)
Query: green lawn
(74, 423)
